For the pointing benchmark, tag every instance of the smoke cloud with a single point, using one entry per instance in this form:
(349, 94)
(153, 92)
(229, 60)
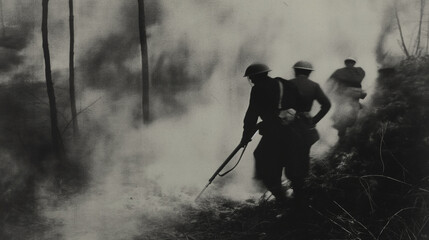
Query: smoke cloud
(198, 53)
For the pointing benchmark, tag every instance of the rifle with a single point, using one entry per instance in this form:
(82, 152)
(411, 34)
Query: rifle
(239, 146)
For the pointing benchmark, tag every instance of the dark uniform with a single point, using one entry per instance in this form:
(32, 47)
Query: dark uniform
(346, 92)
(348, 77)
(277, 140)
(308, 91)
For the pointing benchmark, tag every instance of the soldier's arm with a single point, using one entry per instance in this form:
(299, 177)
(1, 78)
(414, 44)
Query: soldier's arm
(324, 102)
(251, 117)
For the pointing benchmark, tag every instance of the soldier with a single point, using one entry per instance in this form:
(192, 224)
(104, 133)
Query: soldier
(346, 90)
(273, 100)
(309, 91)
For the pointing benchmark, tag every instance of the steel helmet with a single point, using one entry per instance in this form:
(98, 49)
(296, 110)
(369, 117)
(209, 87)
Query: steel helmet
(303, 65)
(350, 59)
(256, 68)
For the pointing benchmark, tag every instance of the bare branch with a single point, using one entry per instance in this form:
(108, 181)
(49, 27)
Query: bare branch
(404, 48)
(422, 227)
(427, 38)
(396, 180)
(366, 188)
(422, 7)
(354, 219)
(390, 219)
(334, 222)
(383, 131)
(77, 114)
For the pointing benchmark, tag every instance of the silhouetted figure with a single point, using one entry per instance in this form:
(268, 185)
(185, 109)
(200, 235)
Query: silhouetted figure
(346, 90)
(297, 169)
(273, 100)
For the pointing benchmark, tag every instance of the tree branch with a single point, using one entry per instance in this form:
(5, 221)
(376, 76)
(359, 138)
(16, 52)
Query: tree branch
(404, 48)
(78, 113)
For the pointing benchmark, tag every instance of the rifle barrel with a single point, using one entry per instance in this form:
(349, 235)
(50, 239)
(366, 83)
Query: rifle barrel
(239, 146)
(220, 169)
(225, 162)
(202, 191)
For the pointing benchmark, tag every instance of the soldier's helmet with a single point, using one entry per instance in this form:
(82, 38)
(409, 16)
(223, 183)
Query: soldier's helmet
(303, 65)
(350, 59)
(256, 68)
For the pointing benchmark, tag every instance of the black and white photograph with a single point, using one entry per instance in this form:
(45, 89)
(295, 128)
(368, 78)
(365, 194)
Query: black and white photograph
(214, 120)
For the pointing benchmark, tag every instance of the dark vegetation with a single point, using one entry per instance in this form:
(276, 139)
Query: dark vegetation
(28, 160)
(373, 185)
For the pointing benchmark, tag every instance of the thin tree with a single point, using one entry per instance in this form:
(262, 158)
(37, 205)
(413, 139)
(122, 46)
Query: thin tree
(422, 7)
(427, 38)
(71, 72)
(56, 136)
(2, 18)
(404, 48)
(145, 63)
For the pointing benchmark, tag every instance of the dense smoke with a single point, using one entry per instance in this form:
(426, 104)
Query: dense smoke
(198, 51)
(15, 35)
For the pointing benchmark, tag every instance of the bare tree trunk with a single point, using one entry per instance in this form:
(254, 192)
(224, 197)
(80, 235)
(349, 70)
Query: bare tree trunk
(422, 7)
(56, 136)
(2, 18)
(71, 72)
(427, 38)
(404, 48)
(145, 63)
